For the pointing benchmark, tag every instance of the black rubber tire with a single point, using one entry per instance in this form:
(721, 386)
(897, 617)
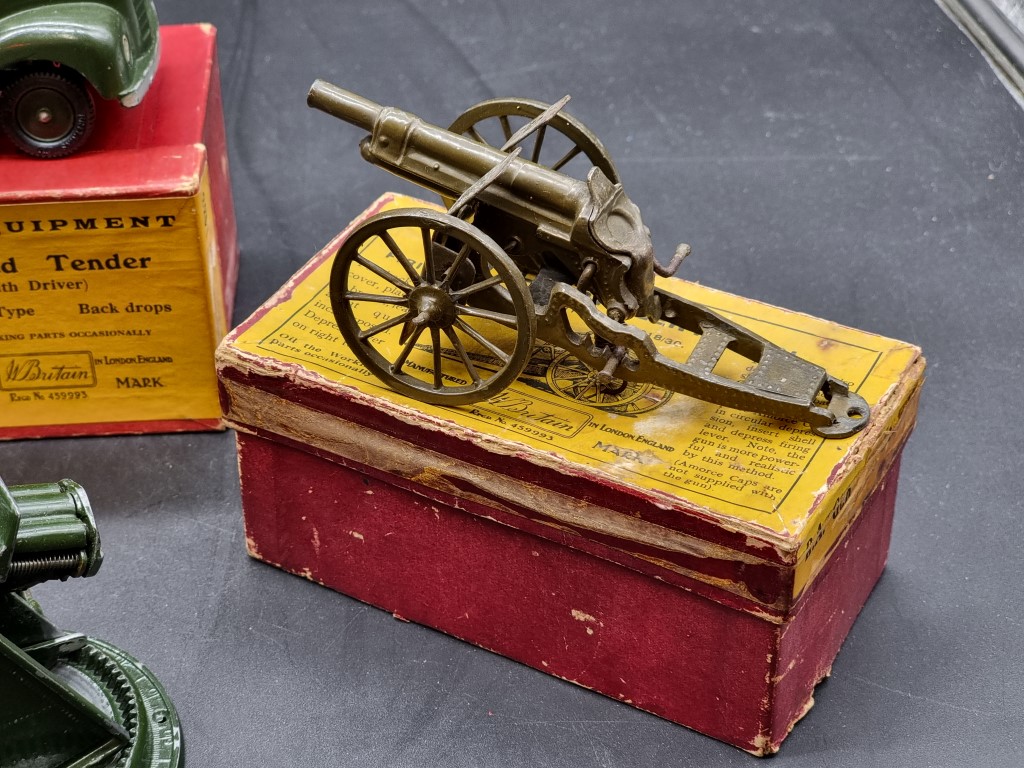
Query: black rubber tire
(67, 103)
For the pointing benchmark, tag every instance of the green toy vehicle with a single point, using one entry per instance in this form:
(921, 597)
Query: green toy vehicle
(55, 53)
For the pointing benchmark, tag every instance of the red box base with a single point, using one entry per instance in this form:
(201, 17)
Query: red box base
(565, 612)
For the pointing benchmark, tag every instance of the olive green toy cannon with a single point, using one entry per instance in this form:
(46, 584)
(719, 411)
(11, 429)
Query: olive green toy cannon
(526, 252)
(67, 699)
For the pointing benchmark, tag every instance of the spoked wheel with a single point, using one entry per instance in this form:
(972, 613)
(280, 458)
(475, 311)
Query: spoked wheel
(47, 114)
(432, 306)
(564, 144)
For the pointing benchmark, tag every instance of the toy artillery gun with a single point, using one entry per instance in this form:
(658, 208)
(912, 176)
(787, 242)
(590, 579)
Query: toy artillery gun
(66, 699)
(528, 252)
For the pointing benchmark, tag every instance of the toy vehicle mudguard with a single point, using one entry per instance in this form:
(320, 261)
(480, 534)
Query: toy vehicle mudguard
(113, 44)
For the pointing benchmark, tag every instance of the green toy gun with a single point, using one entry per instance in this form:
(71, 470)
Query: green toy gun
(67, 700)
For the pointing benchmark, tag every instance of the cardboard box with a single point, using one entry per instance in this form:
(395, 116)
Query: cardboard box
(696, 562)
(118, 264)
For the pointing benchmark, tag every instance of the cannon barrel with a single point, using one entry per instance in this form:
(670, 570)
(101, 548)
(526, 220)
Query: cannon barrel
(573, 220)
(449, 163)
(344, 105)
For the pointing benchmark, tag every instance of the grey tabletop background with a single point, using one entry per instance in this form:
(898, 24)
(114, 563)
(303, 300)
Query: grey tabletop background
(857, 161)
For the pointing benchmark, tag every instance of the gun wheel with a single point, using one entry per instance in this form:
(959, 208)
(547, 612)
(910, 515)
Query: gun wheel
(564, 144)
(432, 307)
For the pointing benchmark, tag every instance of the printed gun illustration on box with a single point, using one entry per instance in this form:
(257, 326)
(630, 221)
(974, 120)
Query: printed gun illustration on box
(527, 252)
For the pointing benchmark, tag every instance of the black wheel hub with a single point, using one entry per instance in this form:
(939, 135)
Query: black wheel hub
(47, 112)
(45, 115)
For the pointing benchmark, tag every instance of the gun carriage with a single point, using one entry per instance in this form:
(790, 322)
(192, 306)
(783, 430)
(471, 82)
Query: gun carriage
(526, 252)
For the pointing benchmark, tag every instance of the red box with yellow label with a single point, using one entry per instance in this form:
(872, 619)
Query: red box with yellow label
(118, 264)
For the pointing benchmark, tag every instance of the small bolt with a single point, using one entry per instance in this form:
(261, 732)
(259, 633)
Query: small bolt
(44, 116)
(616, 314)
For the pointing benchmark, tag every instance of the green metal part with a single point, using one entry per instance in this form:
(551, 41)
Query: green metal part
(68, 701)
(111, 43)
(47, 531)
(582, 251)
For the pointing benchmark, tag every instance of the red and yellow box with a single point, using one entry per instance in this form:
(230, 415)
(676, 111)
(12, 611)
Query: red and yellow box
(693, 561)
(118, 264)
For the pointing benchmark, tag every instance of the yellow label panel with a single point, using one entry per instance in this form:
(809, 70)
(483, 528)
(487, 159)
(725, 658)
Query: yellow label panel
(737, 464)
(108, 311)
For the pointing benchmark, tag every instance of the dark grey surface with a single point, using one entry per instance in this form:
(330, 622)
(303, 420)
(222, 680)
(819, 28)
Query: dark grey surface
(857, 161)
(997, 27)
